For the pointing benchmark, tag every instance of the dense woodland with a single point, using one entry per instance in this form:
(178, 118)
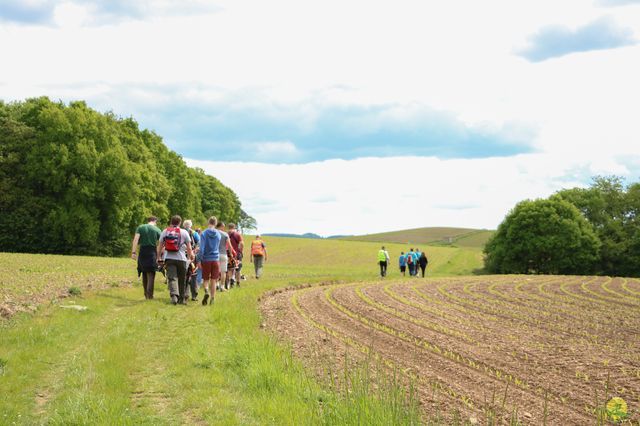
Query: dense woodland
(73, 180)
(575, 231)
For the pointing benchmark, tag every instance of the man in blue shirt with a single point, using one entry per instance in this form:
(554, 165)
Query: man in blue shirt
(210, 264)
(402, 260)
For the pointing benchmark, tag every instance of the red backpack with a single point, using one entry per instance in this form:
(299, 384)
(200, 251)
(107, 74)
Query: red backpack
(410, 258)
(172, 239)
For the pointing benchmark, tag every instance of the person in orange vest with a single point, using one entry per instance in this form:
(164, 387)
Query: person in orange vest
(258, 255)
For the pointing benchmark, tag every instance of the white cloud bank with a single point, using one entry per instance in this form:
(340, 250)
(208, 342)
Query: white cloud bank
(370, 195)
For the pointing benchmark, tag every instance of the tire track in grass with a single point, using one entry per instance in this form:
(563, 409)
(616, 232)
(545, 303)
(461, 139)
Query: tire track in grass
(98, 387)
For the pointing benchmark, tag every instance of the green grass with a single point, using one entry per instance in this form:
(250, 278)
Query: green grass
(129, 361)
(461, 237)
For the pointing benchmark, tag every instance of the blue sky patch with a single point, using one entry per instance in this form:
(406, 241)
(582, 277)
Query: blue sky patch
(308, 133)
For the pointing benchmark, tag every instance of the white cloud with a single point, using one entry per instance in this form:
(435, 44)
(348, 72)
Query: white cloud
(380, 194)
(447, 56)
(275, 150)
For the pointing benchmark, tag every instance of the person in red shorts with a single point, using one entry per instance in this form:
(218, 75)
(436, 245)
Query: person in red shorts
(210, 262)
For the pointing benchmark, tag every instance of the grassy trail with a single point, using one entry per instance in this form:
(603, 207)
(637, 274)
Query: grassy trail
(129, 361)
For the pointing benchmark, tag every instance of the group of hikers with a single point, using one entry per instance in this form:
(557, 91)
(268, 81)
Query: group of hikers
(211, 259)
(416, 261)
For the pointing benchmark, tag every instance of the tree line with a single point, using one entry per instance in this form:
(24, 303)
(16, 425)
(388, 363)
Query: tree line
(77, 181)
(594, 230)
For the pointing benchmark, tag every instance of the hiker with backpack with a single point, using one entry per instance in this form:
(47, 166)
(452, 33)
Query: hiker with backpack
(423, 261)
(175, 243)
(147, 237)
(258, 255)
(210, 264)
(383, 261)
(402, 261)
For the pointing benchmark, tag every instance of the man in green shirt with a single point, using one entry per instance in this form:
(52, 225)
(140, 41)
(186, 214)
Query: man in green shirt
(147, 237)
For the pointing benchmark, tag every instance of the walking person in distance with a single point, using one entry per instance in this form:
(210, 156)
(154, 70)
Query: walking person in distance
(258, 255)
(383, 261)
(423, 261)
(147, 237)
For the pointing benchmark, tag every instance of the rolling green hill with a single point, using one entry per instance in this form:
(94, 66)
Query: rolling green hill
(461, 237)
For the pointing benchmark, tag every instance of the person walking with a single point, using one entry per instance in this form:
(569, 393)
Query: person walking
(238, 246)
(416, 258)
(192, 274)
(258, 255)
(402, 261)
(175, 243)
(383, 261)
(411, 262)
(226, 252)
(198, 258)
(147, 237)
(210, 252)
(423, 261)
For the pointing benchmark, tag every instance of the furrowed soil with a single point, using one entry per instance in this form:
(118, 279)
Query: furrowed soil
(534, 349)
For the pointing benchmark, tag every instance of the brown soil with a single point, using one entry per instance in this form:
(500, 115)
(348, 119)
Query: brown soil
(468, 342)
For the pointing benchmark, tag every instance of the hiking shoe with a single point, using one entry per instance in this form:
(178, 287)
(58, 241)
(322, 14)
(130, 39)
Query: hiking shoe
(222, 290)
(174, 299)
(205, 299)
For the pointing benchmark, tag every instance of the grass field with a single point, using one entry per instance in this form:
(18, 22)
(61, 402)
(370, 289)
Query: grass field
(128, 361)
(460, 237)
(347, 348)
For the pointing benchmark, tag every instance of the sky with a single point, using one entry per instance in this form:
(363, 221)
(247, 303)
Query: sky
(353, 117)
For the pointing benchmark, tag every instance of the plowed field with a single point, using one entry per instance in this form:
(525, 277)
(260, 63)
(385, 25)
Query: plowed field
(531, 347)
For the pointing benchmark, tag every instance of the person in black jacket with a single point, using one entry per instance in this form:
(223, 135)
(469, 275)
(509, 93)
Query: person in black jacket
(423, 262)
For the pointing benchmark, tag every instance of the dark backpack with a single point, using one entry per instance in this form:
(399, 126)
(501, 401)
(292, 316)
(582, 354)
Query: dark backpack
(172, 239)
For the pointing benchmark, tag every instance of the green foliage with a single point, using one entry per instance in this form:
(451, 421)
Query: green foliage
(73, 180)
(613, 211)
(543, 236)
(246, 222)
(75, 291)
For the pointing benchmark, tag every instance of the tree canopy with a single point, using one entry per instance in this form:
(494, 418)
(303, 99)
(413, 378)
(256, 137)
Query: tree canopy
(575, 231)
(73, 180)
(543, 236)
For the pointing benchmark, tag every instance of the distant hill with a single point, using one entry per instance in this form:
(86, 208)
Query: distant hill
(307, 235)
(461, 237)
